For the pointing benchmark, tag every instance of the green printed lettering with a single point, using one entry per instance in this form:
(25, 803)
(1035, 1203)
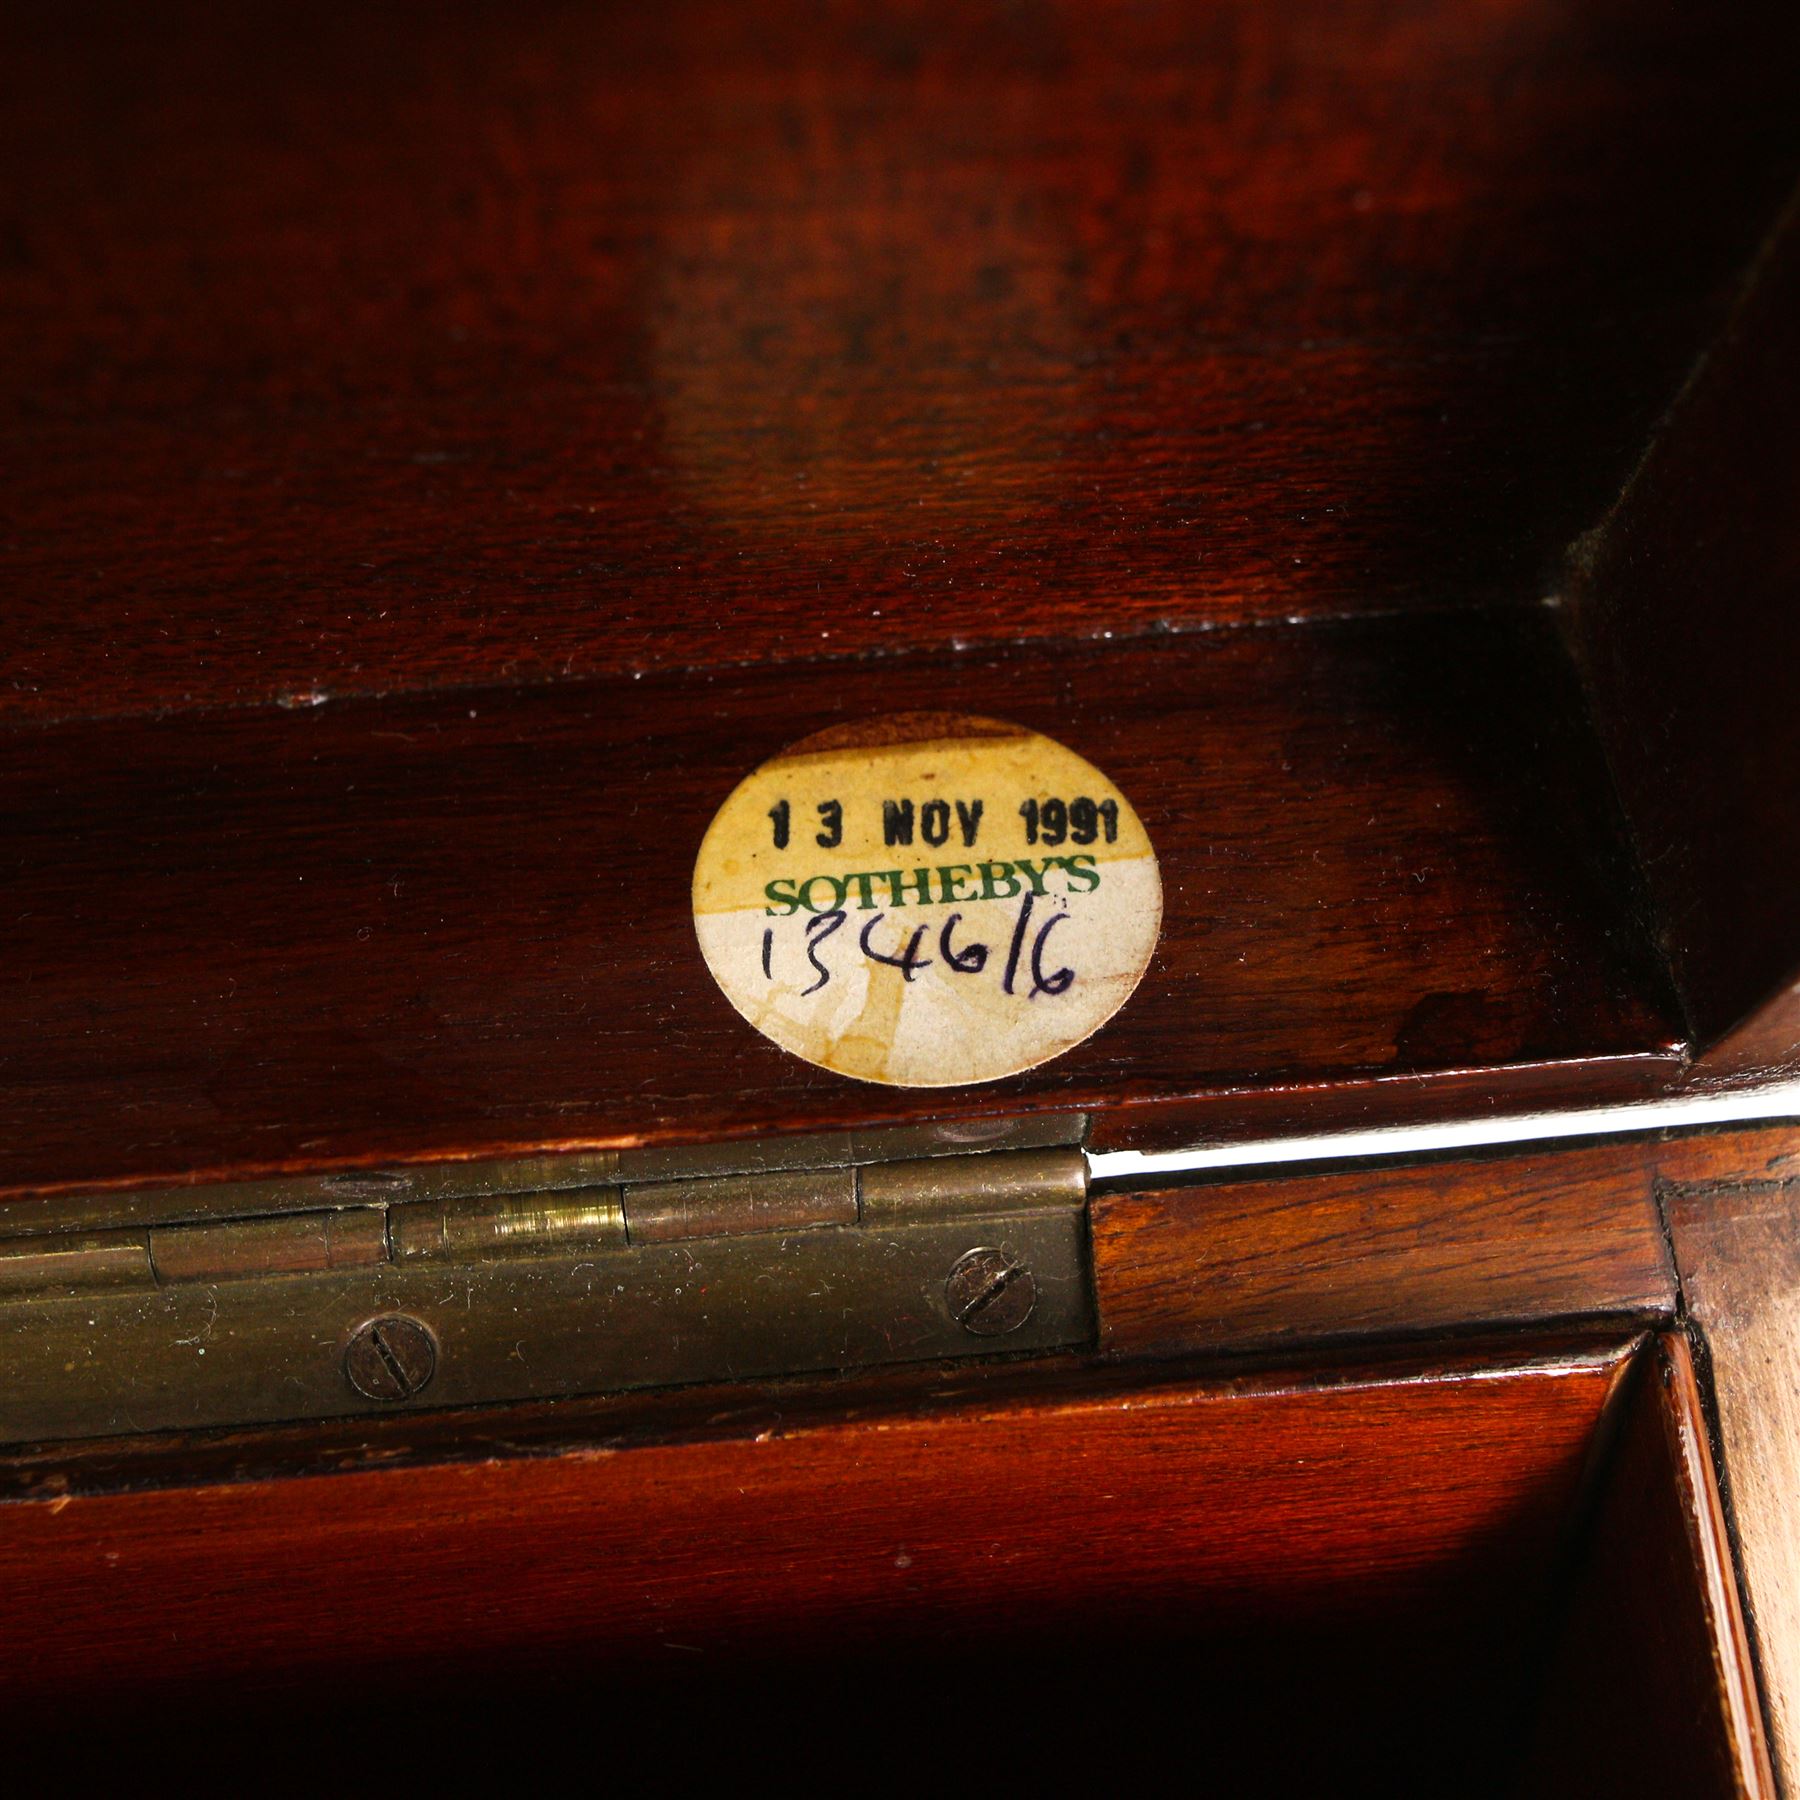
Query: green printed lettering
(896, 883)
(949, 878)
(992, 874)
(830, 881)
(1084, 877)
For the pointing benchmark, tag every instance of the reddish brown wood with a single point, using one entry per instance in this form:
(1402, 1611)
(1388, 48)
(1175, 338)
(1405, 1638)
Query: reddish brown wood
(1687, 623)
(1734, 1222)
(372, 930)
(1651, 1688)
(640, 358)
(1382, 1250)
(1274, 1109)
(1734, 1155)
(358, 348)
(1283, 1540)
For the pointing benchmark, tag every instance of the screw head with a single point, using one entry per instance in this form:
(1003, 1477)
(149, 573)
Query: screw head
(989, 1293)
(391, 1359)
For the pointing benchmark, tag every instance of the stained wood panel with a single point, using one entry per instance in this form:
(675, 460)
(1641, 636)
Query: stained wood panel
(1302, 1531)
(1734, 1215)
(1651, 1688)
(1382, 1250)
(461, 923)
(347, 349)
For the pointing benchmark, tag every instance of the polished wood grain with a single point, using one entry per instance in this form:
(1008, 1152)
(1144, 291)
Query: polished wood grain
(352, 349)
(1735, 1223)
(1389, 1539)
(1684, 618)
(374, 930)
(1382, 1249)
(1651, 1689)
(444, 448)
(1256, 1113)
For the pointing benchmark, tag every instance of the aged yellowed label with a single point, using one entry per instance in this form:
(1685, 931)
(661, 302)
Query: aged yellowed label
(927, 899)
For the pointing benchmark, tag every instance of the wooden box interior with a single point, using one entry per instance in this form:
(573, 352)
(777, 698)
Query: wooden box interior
(1493, 1574)
(446, 448)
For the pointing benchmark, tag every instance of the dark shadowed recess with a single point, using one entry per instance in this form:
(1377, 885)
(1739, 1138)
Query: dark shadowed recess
(1687, 623)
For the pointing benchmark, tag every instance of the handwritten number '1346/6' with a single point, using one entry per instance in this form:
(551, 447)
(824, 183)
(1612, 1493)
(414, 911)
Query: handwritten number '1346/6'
(965, 959)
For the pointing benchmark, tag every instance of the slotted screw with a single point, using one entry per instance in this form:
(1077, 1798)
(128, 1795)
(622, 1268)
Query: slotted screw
(391, 1359)
(990, 1294)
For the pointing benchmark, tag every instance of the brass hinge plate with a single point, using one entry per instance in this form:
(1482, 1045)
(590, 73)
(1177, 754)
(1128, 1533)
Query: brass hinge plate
(466, 1284)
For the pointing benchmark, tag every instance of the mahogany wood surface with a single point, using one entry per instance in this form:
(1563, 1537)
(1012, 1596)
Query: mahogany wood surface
(418, 1437)
(1686, 617)
(1733, 1208)
(1651, 1689)
(1392, 1540)
(1382, 1249)
(445, 448)
(371, 930)
(350, 349)
(1257, 1113)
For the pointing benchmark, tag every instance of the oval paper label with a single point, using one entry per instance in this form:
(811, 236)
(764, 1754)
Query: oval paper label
(927, 899)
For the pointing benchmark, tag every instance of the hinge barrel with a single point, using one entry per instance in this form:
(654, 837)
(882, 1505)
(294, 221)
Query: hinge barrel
(666, 1212)
(219, 1250)
(75, 1261)
(481, 1229)
(965, 1187)
(290, 1244)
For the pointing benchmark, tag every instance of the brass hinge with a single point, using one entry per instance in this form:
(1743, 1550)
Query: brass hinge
(462, 1283)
